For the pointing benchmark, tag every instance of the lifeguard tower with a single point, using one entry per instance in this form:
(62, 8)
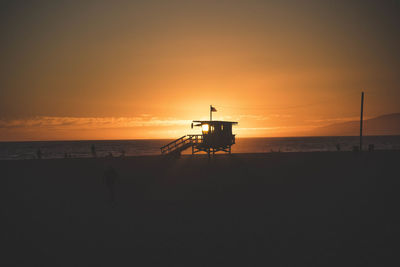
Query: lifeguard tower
(216, 136)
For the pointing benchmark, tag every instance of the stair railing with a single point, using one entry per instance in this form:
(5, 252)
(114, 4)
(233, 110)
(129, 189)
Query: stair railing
(180, 142)
(172, 145)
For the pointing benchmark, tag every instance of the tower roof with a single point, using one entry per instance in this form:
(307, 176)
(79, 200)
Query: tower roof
(216, 122)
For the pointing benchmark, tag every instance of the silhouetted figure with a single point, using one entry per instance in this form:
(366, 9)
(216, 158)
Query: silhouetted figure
(93, 149)
(39, 153)
(110, 178)
(66, 155)
(371, 147)
(338, 147)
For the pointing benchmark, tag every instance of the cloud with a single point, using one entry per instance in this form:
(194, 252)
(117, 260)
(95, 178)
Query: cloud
(262, 128)
(335, 120)
(254, 117)
(145, 120)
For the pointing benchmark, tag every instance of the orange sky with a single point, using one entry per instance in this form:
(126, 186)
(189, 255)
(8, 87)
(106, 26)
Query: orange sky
(125, 70)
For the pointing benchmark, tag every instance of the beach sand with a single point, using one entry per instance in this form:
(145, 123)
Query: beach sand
(277, 209)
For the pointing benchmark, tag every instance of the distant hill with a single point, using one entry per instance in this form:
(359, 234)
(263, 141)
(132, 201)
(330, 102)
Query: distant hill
(383, 125)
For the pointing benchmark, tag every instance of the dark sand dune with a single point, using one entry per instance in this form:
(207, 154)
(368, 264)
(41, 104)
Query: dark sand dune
(278, 209)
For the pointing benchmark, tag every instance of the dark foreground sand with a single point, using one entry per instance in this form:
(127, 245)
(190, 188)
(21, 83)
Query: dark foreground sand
(278, 209)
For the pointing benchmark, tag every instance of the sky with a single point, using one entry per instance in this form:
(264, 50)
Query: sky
(145, 69)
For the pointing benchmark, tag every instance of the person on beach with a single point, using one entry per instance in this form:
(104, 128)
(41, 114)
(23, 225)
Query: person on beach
(110, 178)
(93, 148)
(39, 153)
(338, 147)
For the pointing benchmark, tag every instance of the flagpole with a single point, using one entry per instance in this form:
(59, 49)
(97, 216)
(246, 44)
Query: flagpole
(210, 112)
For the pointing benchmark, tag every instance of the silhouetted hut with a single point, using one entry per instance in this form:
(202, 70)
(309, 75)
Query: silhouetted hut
(216, 136)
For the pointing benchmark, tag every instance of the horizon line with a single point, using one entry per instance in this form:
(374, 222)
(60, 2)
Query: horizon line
(149, 139)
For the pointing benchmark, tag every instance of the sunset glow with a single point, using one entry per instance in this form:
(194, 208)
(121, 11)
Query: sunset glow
(204, 128)
(145, 70)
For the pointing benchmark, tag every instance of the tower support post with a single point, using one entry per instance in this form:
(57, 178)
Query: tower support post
(361, 119)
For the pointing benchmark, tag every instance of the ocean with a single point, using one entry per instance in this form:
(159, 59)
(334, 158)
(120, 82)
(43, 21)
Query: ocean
(82, 149)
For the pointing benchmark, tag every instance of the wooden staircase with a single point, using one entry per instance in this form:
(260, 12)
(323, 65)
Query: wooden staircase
(176, 147)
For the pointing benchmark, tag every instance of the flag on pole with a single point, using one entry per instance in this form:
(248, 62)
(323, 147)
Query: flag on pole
(212, 109)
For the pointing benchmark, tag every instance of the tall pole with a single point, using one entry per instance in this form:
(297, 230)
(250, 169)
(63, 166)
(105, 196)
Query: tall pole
(361, 119)
(210, 112)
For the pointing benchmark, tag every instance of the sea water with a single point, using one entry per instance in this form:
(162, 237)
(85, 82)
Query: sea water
(116, 148)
